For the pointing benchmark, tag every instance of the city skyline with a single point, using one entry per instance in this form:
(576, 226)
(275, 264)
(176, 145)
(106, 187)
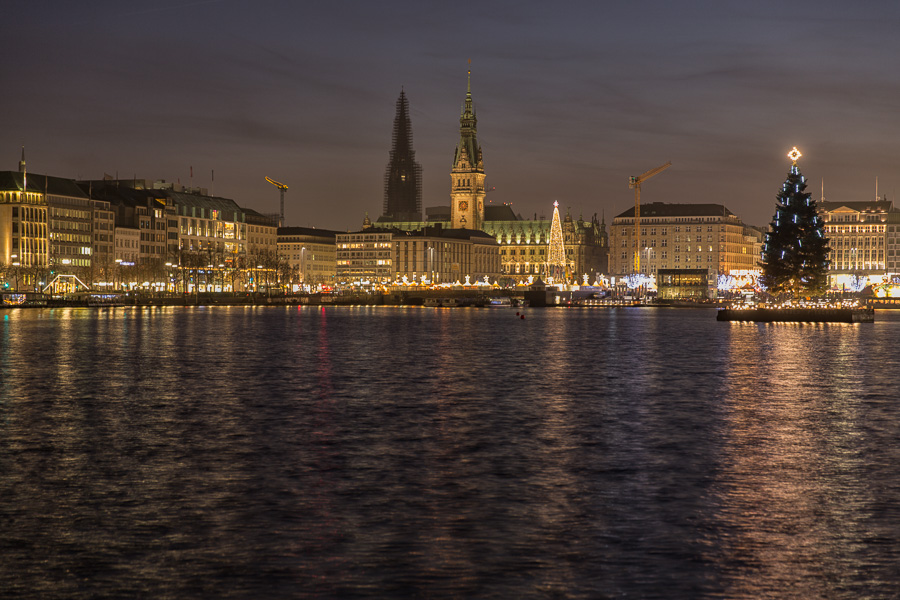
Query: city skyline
(571, 100)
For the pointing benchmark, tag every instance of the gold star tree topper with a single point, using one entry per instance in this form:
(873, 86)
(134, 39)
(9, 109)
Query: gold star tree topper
(794, 154)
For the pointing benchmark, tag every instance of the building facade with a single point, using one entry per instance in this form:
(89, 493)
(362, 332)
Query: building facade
(864, 238)
(104, 240)
(144, 233)
(23, 223)
(262, 233)
(309, 252)
(684, 236)
(524, 244)
(438, 255)
(128, 244)
(365, 256)
(71, 219)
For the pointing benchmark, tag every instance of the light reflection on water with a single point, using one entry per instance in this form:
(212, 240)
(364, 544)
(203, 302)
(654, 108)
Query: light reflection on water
(413, 452)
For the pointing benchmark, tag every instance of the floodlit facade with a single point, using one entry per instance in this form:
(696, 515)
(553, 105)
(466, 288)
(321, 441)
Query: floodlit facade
(23, 223)
(438, 255)
(364, 256)
(128, 244)
(708, 237)
(524, 244)
(103, 233)
(210, 225)
(71, 218)
(309, 252)
(864, 237)
(262, 233)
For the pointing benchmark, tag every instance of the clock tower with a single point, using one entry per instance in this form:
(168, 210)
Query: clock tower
(467, 174)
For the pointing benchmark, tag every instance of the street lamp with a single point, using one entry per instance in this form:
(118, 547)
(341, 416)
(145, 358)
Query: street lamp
(16, 263)
(168, 276)
(431, 260)
(303, 266)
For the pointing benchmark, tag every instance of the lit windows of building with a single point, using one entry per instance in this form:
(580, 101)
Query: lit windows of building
(863, 237)
(680, 227)
(311, 254)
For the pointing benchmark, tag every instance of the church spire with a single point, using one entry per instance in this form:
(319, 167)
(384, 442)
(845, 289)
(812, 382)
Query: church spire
(403, 176)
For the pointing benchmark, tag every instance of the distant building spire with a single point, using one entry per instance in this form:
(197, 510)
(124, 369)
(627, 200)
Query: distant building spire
(403, 177)
(23, 171)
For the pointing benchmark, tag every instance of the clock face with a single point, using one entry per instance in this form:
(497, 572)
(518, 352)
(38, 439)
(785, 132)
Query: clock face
(463, 205)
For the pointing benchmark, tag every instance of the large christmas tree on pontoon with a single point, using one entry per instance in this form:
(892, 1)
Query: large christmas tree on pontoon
(795, 255)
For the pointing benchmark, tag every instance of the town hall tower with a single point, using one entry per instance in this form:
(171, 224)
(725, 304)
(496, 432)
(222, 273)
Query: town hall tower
(467, 174)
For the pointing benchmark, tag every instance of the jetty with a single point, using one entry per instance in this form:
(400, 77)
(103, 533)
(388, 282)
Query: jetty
(797, 314)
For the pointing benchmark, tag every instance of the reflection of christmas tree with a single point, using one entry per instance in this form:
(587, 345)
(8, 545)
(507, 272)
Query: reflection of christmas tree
(795, 255)
(556, 259)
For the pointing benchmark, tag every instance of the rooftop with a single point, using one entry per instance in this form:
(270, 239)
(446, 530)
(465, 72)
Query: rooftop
(307, 231)
(55, 186)
(665, 209)
(876, 206)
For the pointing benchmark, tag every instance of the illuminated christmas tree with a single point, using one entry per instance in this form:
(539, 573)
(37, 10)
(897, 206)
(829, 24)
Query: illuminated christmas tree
(795, 255)
(556, 255)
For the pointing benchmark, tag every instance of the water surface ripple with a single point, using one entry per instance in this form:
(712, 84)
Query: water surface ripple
(445, 453)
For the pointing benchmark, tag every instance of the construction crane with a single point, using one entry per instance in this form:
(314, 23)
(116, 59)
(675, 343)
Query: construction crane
(283, 189)
(635, 183)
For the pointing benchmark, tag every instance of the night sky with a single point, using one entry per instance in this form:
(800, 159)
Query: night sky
(571, 98)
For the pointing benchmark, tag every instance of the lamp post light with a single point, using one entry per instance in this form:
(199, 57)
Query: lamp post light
(16, 264)
(431, 262)
(303, 266)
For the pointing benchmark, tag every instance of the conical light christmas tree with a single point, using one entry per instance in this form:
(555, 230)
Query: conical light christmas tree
(556, 254)
(795, 255)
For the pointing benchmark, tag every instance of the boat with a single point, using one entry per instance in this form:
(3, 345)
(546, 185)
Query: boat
(500, 302)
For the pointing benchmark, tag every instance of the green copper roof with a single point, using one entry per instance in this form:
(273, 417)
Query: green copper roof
(468, 143)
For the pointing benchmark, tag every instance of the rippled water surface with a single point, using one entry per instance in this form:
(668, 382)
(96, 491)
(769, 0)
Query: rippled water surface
(446, 453)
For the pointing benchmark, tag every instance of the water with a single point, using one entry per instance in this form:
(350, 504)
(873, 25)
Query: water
(445, 453)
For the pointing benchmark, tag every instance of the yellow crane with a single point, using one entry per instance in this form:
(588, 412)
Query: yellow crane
(283, 188)
(635, 183)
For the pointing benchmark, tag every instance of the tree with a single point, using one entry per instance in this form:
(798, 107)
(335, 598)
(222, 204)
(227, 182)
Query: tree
(795, 255)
